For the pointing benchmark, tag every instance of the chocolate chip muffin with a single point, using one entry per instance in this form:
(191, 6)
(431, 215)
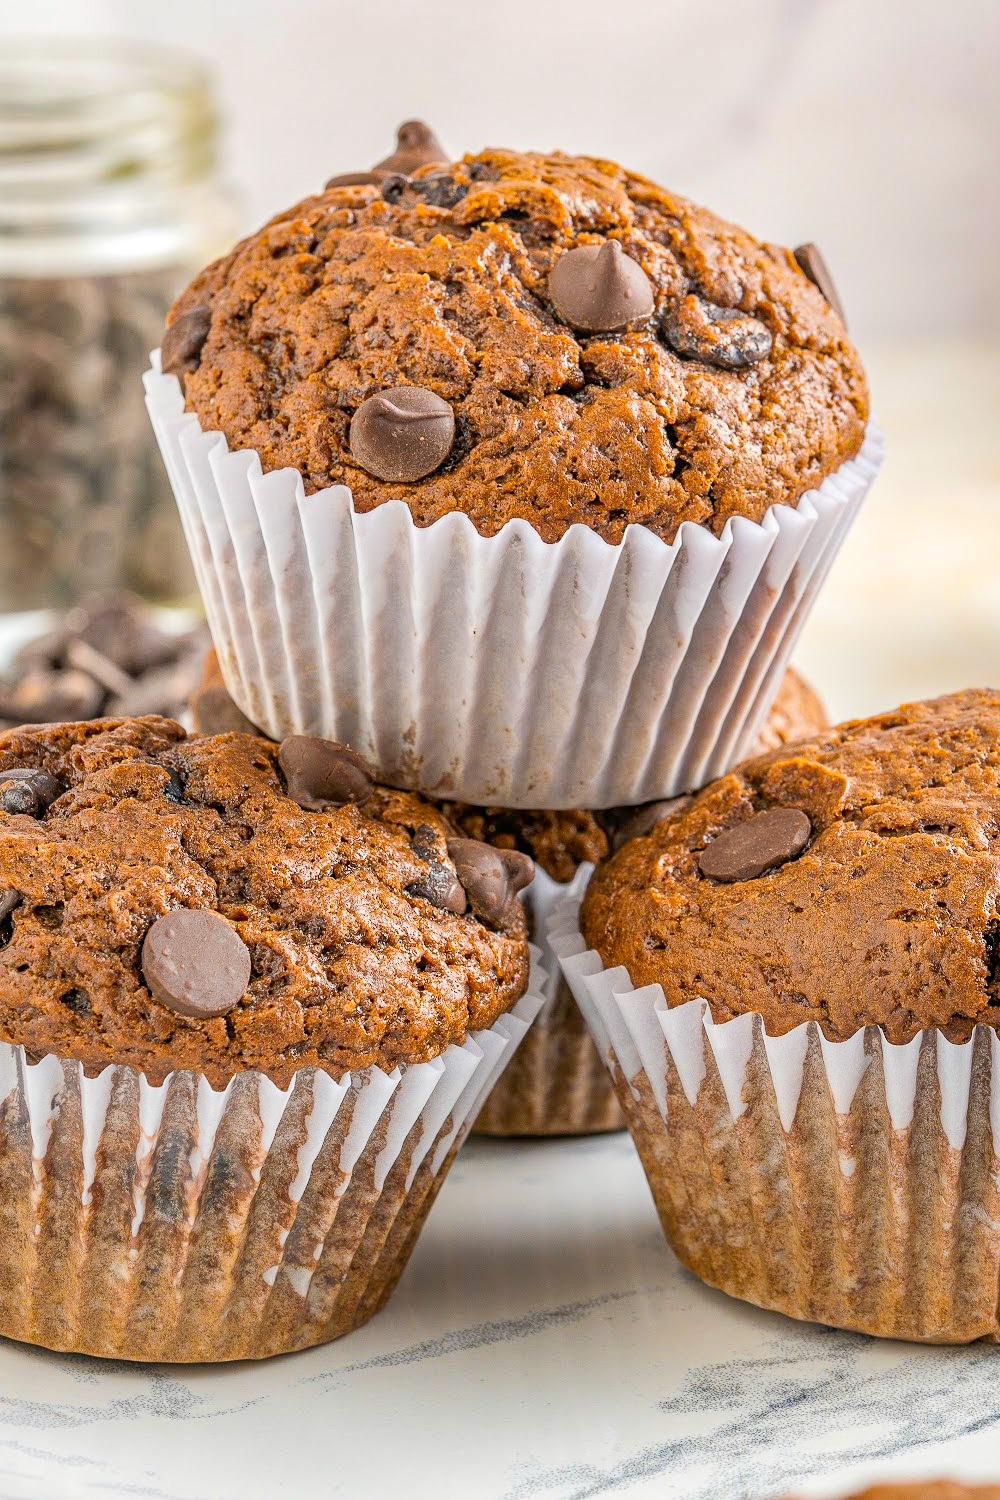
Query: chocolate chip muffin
(851, 882)
(805, 1020)
(249, 1004)
(521, 334)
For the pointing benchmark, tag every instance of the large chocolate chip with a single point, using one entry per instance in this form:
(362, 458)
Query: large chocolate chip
(183, 340)
(26, 790)
(766, 840)
(321, 774)
(600, 289)
(721, 336)
(416, 146)
(402, 434)
(812, 264)
(491, 877)
(195, 963)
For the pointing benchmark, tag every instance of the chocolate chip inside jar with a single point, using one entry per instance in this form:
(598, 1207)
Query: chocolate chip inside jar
(104, 658)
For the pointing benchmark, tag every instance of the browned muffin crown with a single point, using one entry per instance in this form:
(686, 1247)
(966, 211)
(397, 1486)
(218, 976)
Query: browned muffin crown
(723, 384)
(889, 914)
(351, 964)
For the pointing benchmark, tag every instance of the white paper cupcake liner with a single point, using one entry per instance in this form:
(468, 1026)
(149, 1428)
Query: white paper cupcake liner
(556, 1084)
(497, 670)
(854, 1183)
(181, 1222)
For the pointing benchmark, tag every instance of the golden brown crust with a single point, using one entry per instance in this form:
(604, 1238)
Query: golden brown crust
(350, 967)
(345, 295)
(889, 917)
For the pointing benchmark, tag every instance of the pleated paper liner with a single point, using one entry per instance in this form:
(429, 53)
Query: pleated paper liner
(850, 1183)
(182, 1223)
(556, 1084)
(497, 670)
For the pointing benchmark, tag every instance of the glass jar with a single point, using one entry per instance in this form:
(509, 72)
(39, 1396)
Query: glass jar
(109, 202)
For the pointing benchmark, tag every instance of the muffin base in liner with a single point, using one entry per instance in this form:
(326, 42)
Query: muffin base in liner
(497, 670)
(852, 1183)
(182, 1223)
(556, 1083)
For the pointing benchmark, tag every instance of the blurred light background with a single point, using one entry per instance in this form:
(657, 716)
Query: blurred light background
(869, 126)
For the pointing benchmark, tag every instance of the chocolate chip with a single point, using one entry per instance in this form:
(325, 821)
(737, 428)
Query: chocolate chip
(600, 289)
(416, 146)
(441, 190)
(173, 788)
(812, 264)
(321, 774)
(394, 186)
(439, 884)
(491, 877)
(77, 1000)
(10, 900)
(402, 434)
(353, 179)
(721, 336)
(183, 340)
(195, 963)
(23, 789)
(764, 841)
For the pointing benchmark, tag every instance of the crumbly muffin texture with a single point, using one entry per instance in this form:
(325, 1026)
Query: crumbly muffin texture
(446, 287)
(559, 842)
(350, 966)
(890, 914)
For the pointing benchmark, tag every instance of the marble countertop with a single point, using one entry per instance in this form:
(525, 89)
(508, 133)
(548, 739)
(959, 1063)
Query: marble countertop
(544, 1342)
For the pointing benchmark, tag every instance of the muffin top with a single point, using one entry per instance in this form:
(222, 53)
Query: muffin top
(518, 334)
(220, 904)
(559, 842)
(851, 879)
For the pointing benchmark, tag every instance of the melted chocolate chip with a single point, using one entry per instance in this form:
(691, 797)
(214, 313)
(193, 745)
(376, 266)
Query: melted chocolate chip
(322, 774)
(721, 336)
(183, 340)
(600, 289)
(763, 842)
(812, 264)
(491, 877)
(394, 186)
(10, 900)
(439, 885)
(441, 190)
(402, 434)
(173, 788)
(195, 963)
(23, 789)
